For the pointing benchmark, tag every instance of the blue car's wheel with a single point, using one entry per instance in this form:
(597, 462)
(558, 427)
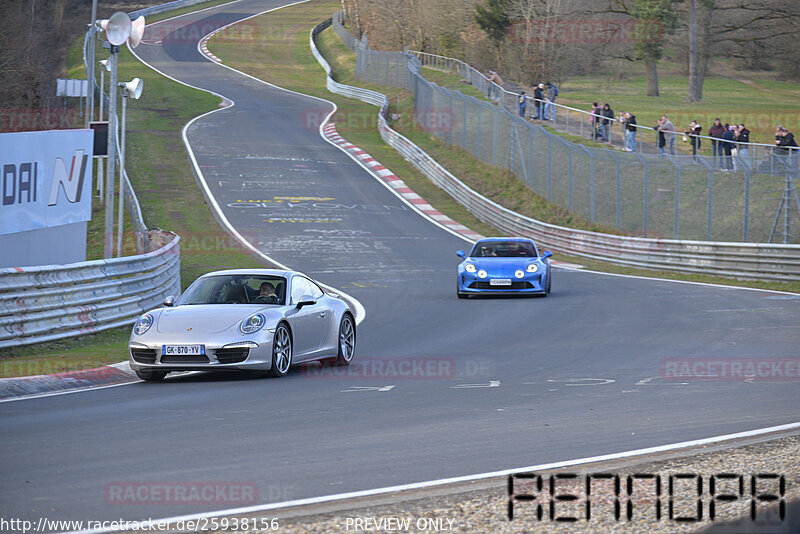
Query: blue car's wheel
(547, 284)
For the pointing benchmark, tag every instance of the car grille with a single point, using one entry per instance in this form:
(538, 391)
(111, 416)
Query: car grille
(487, 285)
(235, 355)
(143, 355)
(184, 358)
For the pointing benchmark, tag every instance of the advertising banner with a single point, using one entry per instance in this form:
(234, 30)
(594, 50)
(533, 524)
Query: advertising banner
(45, 179)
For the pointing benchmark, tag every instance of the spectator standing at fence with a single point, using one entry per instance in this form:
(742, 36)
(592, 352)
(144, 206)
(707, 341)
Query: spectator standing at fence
(727, 147)
(608, 116)
(669, 133)
(786, 146)
(630, 131)
(597, 127)
(522, 104)
(538, 97)
(550, 109)
(743, 136)
(694, 132)
(495, 81)
(661, 138)
(716, 132)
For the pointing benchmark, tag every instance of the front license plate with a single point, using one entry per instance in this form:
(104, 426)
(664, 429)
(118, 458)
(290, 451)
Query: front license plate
(183, 350)
(500, 282)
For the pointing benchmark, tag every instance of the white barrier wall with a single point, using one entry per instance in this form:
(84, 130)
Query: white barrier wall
(45, 196)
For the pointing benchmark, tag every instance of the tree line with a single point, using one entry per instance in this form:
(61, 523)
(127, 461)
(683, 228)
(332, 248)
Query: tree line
(535, 40)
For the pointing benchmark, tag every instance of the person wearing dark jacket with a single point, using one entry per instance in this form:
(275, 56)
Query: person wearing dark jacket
(783, 140)
(727, 146)
(522, 104)
(608, 116)
(538, 97)
(716, 132)
(630, 132)
(743, 154)
(693, 133)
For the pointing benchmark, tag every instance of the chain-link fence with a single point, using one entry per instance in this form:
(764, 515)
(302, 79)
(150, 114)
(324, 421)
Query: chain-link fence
(735, 198)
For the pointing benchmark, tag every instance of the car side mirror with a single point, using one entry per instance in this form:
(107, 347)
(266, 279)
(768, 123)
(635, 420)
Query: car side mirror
(461, 254)
(305, 300)
(546, 254)
(169, 301)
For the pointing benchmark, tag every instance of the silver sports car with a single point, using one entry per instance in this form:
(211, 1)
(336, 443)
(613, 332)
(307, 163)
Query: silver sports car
(260, 319)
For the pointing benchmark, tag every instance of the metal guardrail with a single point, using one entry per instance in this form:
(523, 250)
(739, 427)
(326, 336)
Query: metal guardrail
(51, 302)
(683, 197)
(741, 260)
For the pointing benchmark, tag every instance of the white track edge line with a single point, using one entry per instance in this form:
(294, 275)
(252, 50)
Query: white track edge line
(359, 310)
(323, 123)
(468, 478)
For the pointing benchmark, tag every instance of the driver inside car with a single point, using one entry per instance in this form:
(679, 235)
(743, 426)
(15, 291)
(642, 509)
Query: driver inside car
(266, 294)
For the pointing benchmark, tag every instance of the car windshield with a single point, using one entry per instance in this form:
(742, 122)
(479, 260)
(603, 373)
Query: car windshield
(503, 249)
(236, 289)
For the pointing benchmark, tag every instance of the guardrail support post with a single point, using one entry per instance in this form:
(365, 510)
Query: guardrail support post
(677, 199)
(746, 204)
(710, 202)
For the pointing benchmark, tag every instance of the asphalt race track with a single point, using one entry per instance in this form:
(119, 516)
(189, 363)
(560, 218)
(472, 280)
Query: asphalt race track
(310, 435)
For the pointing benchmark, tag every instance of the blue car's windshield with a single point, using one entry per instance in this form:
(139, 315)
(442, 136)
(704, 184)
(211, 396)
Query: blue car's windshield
(503, 249)
(236, 289)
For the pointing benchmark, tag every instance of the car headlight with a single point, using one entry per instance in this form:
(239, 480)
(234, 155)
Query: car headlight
(519, 274)
(481, 274)
(253, 324)
(144, 324)
(532, 268)
(470, 268)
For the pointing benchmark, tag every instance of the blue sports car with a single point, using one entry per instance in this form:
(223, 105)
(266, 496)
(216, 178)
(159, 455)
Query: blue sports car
(504, 266)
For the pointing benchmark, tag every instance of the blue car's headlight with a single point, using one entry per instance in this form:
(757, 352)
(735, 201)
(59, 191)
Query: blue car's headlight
(519, 273)
(532, 268)
(144, 324)
(470, 268)
(481, 274)
(252, 324)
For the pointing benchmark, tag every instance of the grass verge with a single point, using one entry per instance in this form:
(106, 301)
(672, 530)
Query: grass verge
(281, 55)
(161, 174)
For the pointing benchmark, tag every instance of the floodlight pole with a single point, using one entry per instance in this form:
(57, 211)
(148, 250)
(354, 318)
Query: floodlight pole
(100, 165)
(108, 242)
(90, 61)
(121, 172)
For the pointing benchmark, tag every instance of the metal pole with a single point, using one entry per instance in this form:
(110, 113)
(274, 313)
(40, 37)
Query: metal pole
(677, 198)
(90, 61)
(108, 242)
(710, 202)
(746, 203)
(100, 165)
(645, 199)
(788, 206)
(121, 210)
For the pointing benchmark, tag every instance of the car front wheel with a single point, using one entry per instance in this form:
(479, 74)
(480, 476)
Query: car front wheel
(347, 342)
(281, 352)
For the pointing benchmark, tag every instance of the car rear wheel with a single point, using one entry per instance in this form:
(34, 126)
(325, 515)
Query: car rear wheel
(347, 342)
(281, 352)
(151, 375)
